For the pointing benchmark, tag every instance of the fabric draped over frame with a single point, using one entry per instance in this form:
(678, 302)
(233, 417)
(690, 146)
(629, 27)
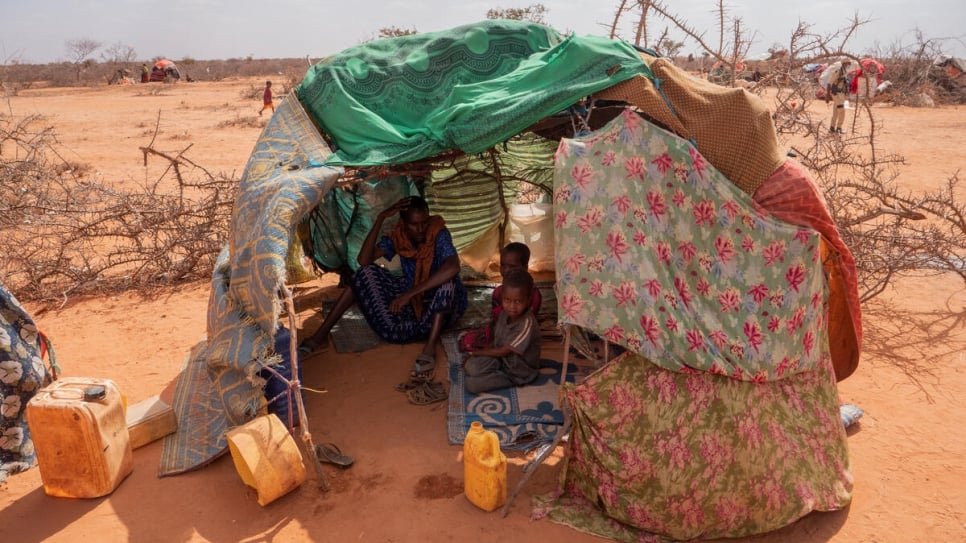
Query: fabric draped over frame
(219, 388)
(468, 88)
(732, 128)
(723, 419)
(791, 196)
(658, 252)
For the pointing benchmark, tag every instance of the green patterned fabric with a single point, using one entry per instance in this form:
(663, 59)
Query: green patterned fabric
(340, 224)
(467, 193)
(403, 99)
(284, 179)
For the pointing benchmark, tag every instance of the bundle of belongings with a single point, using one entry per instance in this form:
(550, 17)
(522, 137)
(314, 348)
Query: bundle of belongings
(683, 233)
(23, 373)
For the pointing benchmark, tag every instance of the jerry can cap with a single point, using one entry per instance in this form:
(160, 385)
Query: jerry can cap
(94, 393)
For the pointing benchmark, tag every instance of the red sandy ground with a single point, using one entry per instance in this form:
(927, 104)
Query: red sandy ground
(907, 452)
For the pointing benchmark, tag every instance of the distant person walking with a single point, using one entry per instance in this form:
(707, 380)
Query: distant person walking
(145, 73)
(836, 82)
(267, 99)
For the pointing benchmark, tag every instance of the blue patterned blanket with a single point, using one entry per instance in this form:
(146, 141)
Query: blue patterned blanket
(522, 417)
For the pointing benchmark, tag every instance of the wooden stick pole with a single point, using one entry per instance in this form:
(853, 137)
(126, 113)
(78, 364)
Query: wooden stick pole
(296, 390)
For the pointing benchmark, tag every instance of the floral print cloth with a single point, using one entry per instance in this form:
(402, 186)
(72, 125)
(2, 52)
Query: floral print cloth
(657, 251)
(22, 374)
(723, 421)
(657, 455)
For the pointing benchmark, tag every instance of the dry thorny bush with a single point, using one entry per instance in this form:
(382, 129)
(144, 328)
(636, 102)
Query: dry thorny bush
(891, 231)
(62, 234)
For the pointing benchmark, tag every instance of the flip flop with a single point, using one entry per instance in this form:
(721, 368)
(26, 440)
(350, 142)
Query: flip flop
(331, 454)
(427, 393)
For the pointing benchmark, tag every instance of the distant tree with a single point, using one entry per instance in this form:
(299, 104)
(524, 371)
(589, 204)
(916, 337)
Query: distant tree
(79, 51)
(671, 48)
(119, 53)
(533, 13)
(395, 32)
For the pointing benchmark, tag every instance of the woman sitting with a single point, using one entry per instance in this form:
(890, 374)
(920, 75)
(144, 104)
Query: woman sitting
(414, 306)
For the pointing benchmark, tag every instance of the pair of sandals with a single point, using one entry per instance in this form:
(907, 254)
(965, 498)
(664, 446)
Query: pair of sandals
(420, 389)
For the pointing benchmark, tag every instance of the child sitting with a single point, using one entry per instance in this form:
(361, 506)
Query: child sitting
(514, 357)
(515, 256)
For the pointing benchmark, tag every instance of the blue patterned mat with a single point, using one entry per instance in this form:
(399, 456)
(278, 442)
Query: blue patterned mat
(522, 417)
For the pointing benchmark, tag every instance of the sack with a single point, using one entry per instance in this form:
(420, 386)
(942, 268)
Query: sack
(298, 266)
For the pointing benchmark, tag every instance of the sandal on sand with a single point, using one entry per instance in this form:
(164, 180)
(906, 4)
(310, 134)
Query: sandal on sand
(406, 386)
(427, 393)
(331, 454)
(424, 369)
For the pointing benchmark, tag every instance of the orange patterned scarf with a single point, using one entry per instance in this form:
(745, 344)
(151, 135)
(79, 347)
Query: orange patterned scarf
(423, 254)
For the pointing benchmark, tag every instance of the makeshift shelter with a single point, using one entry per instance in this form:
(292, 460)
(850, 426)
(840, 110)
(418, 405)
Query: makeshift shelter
(164, 70)
(950, 74)
(683, 233)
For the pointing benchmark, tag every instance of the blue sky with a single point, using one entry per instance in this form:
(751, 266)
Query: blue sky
(36, 30)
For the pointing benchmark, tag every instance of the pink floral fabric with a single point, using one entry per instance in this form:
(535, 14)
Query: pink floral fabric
(657, 455)
(657, 251)
(723, 421)
(790, 195)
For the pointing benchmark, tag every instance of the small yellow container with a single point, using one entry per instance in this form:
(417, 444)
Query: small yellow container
(266, 457)
(80, 434)
(484, 468)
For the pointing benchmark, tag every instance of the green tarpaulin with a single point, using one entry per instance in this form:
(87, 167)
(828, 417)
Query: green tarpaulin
(404, 99)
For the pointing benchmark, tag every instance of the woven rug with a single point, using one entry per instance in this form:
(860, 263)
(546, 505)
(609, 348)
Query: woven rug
(522, 417)
(352, 333)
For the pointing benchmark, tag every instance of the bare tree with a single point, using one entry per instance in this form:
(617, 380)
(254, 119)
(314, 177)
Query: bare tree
(119, 53)
(79, 51)
(119, 57)
(669, 47)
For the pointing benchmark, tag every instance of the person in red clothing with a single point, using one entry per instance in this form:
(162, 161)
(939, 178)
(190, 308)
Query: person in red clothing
(866, 80)
(267, 102)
